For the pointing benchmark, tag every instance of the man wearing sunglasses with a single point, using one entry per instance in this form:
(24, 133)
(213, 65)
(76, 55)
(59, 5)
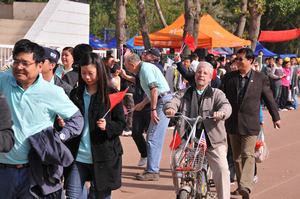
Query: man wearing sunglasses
(152, 55)
(244, 89)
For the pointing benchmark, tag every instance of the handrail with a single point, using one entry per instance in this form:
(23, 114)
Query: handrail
(5, 56)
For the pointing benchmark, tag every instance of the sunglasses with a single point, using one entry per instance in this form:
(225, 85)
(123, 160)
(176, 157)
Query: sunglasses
(239, 59)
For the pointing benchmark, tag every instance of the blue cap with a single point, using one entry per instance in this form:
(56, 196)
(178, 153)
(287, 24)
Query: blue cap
(153, 51)
(51, 55)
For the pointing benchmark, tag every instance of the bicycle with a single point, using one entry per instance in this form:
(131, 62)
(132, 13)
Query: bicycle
(189, 165)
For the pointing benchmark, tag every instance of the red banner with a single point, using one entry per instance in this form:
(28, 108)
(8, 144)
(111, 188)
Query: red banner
(279, 36)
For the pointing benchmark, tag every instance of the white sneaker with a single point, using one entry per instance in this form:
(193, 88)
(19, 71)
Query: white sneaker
(255, 179)
(142, 162)
(127, 133)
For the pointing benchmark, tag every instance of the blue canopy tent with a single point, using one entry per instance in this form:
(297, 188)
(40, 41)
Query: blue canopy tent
(96, 43)
(261, 48)
(112, 43)
(130, 44)
(287, 55)
(224, 51)
(267, 53)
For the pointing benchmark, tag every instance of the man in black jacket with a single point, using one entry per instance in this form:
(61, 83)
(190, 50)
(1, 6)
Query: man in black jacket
(6, 133)
(244, 89)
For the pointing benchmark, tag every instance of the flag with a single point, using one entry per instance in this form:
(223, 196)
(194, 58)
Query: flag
(190, 41)
(202, 141)
(176, 141)
(170, 62)
(116, 98)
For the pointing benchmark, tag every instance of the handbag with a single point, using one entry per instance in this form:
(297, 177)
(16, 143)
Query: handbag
(261, 149)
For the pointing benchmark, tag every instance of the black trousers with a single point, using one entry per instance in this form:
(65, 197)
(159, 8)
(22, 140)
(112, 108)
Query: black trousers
(141, 121)
(129, 104)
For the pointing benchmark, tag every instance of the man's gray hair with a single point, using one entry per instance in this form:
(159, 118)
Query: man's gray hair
(206, 65)
(132, 58)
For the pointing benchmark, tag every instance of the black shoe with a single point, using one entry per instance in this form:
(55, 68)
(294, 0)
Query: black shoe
(245, 192)
(235, 192)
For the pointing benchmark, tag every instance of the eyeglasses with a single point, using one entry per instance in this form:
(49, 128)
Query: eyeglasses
(239, 59)
(22, 62)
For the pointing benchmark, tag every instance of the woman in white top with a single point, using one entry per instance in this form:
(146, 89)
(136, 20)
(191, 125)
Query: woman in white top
(67, 62)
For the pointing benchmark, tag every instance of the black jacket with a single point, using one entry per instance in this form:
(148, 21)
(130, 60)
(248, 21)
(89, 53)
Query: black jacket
(244, 119)
(105, 145)
(6, 133)
(47, 158)
(71, 78)
(59, 82)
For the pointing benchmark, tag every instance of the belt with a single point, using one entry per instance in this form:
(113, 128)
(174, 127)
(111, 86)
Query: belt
(14, 166)
(165, 93)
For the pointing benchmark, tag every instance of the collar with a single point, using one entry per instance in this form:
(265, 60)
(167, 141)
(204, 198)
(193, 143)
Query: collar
(38, 79)
(52, 81)
(85, 92)
(248, 75)
(207, 93)
(139, 65)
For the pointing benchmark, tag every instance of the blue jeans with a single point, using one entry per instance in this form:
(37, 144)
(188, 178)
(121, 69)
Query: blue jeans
(156, 136)
(80, 173)
(15, 183)
(295, 97)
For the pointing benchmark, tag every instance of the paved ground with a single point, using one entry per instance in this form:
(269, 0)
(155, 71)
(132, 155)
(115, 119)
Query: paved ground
(279, 176)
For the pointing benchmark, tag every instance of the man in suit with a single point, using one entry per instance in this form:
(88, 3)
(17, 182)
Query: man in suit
(244, 89)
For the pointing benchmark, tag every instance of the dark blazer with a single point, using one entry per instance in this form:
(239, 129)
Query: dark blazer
(59, 82)
(244, 119)
(71, 78)
(6, 133)
(106, 146)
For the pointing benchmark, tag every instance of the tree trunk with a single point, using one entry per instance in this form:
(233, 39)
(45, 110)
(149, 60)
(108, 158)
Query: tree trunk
(143, 23)
(242, 20)
(160, 14)
(192, 18)
(256, 10)
(121, 23)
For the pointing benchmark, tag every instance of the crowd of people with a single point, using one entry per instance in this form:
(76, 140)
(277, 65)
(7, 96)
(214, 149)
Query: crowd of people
(60, 136)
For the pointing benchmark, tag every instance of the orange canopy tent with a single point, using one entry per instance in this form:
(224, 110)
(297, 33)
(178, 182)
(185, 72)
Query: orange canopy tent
(211, 35)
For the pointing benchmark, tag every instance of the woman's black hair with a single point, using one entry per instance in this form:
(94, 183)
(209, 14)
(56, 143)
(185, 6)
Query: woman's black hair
(285, 63)
(69, 49)
(102, 83)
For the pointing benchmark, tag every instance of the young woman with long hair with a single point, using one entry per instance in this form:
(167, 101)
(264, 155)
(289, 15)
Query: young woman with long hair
(97, 152)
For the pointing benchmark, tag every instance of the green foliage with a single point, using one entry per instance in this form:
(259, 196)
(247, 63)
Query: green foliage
(103, 15)
(282, 15)
(11, 1)
(278, 15)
